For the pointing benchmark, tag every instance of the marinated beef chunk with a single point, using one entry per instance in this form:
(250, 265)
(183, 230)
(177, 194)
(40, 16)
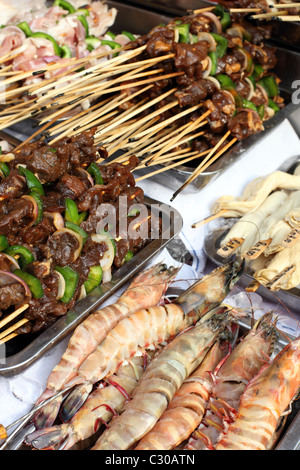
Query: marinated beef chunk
(222, 106)
(245, 123)
(195, 93)
(91, 255)
(160, 42)
(71, 186)
(62, 247)
(18, 213)
(38, 234)
(11, 295)
(13, 186)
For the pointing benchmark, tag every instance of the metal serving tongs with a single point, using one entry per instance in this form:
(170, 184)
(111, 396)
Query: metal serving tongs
(23, 421)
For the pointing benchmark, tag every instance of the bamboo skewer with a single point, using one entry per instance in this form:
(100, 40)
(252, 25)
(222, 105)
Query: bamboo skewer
(13, 328)
(208, 219)
(13, 315)
(206, 163)
(264, 16)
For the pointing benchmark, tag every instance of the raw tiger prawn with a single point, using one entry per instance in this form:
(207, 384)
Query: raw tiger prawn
(163, 378)
(230, 380)
(146, 290)
(103, 403)
(264, 401)
(150, 327)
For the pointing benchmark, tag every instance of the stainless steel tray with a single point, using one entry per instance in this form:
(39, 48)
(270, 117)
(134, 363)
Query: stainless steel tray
(215, 232)
(140, 17)
(23, 350)
(289, 438)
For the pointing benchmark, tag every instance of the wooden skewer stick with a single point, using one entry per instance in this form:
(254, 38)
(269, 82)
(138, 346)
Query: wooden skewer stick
(13, 315)
(201, 10)
(202, 167)
(289, 18)
(8, 338)
(266, 16)
(245, 10)
(13, 328)
(210, 218)
(169, 167)
(193, 125)
(285, 5)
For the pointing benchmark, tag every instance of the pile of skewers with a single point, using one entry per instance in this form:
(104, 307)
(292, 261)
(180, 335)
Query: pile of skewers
(263, 10)
(187, 91)
(172, 384)
(53, 249)
(264, 229)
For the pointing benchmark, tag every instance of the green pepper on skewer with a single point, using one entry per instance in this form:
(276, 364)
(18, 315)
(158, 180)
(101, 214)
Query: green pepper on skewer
(84, 22)
(269, 84)
(261, 111)
(112, 44)
(183, 32)
(225, 82)
(65, 5)
(33, 283)
(92, 42)
(83, 11)
(258, 71)
(110, 34)
(129, 35)
(222, 44)
(4, 169)
(71, 278)
(249, 105)
(38, 200)
(224, 16)
(65, 53)
(77, 229)
(32, 181)
(3, 243)
(94, 279)
(94, 170)
(71, 214)
(273, 105)
(24, 256)
(56, 47)
(128, 256)
(25, 28)
(214, 62)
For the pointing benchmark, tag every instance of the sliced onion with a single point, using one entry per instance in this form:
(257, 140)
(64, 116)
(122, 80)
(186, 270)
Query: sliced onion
(83, 293)
(176, 35)
(86, 175)
(252, 91)
(13, 261)
(74, 234)
(7, 278)
(61, 285)
(215, 82)
(245, 65)
(35, 209)
(215, 20)
(270, 112)
(235, 31)
(263, 92)
(108, 257)
(6, 158)
(209, 39)
(207, 71)
(57, 218)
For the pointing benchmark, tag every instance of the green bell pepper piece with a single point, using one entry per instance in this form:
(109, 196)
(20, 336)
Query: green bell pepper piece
(214, 62)
(224, 16)
(3, 243)
(77, 229)
(92, 42)
(129, 35)
(56, 47)
(23, 254)
(33, 182)
(273, 105)
(109, 33)
(128, 256)
(222, 44)
(38, 200)
(184, 32)
(84, 22)
(94, 278)
(225, 82)
(65, 5)
(249, 105)
(33, 283)
(269, 84)
(65, 52)
(261, 111)
(71, 278)
(4, 169)
(25, 28)
(94, 170)
(258, 71)
(83, 11)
